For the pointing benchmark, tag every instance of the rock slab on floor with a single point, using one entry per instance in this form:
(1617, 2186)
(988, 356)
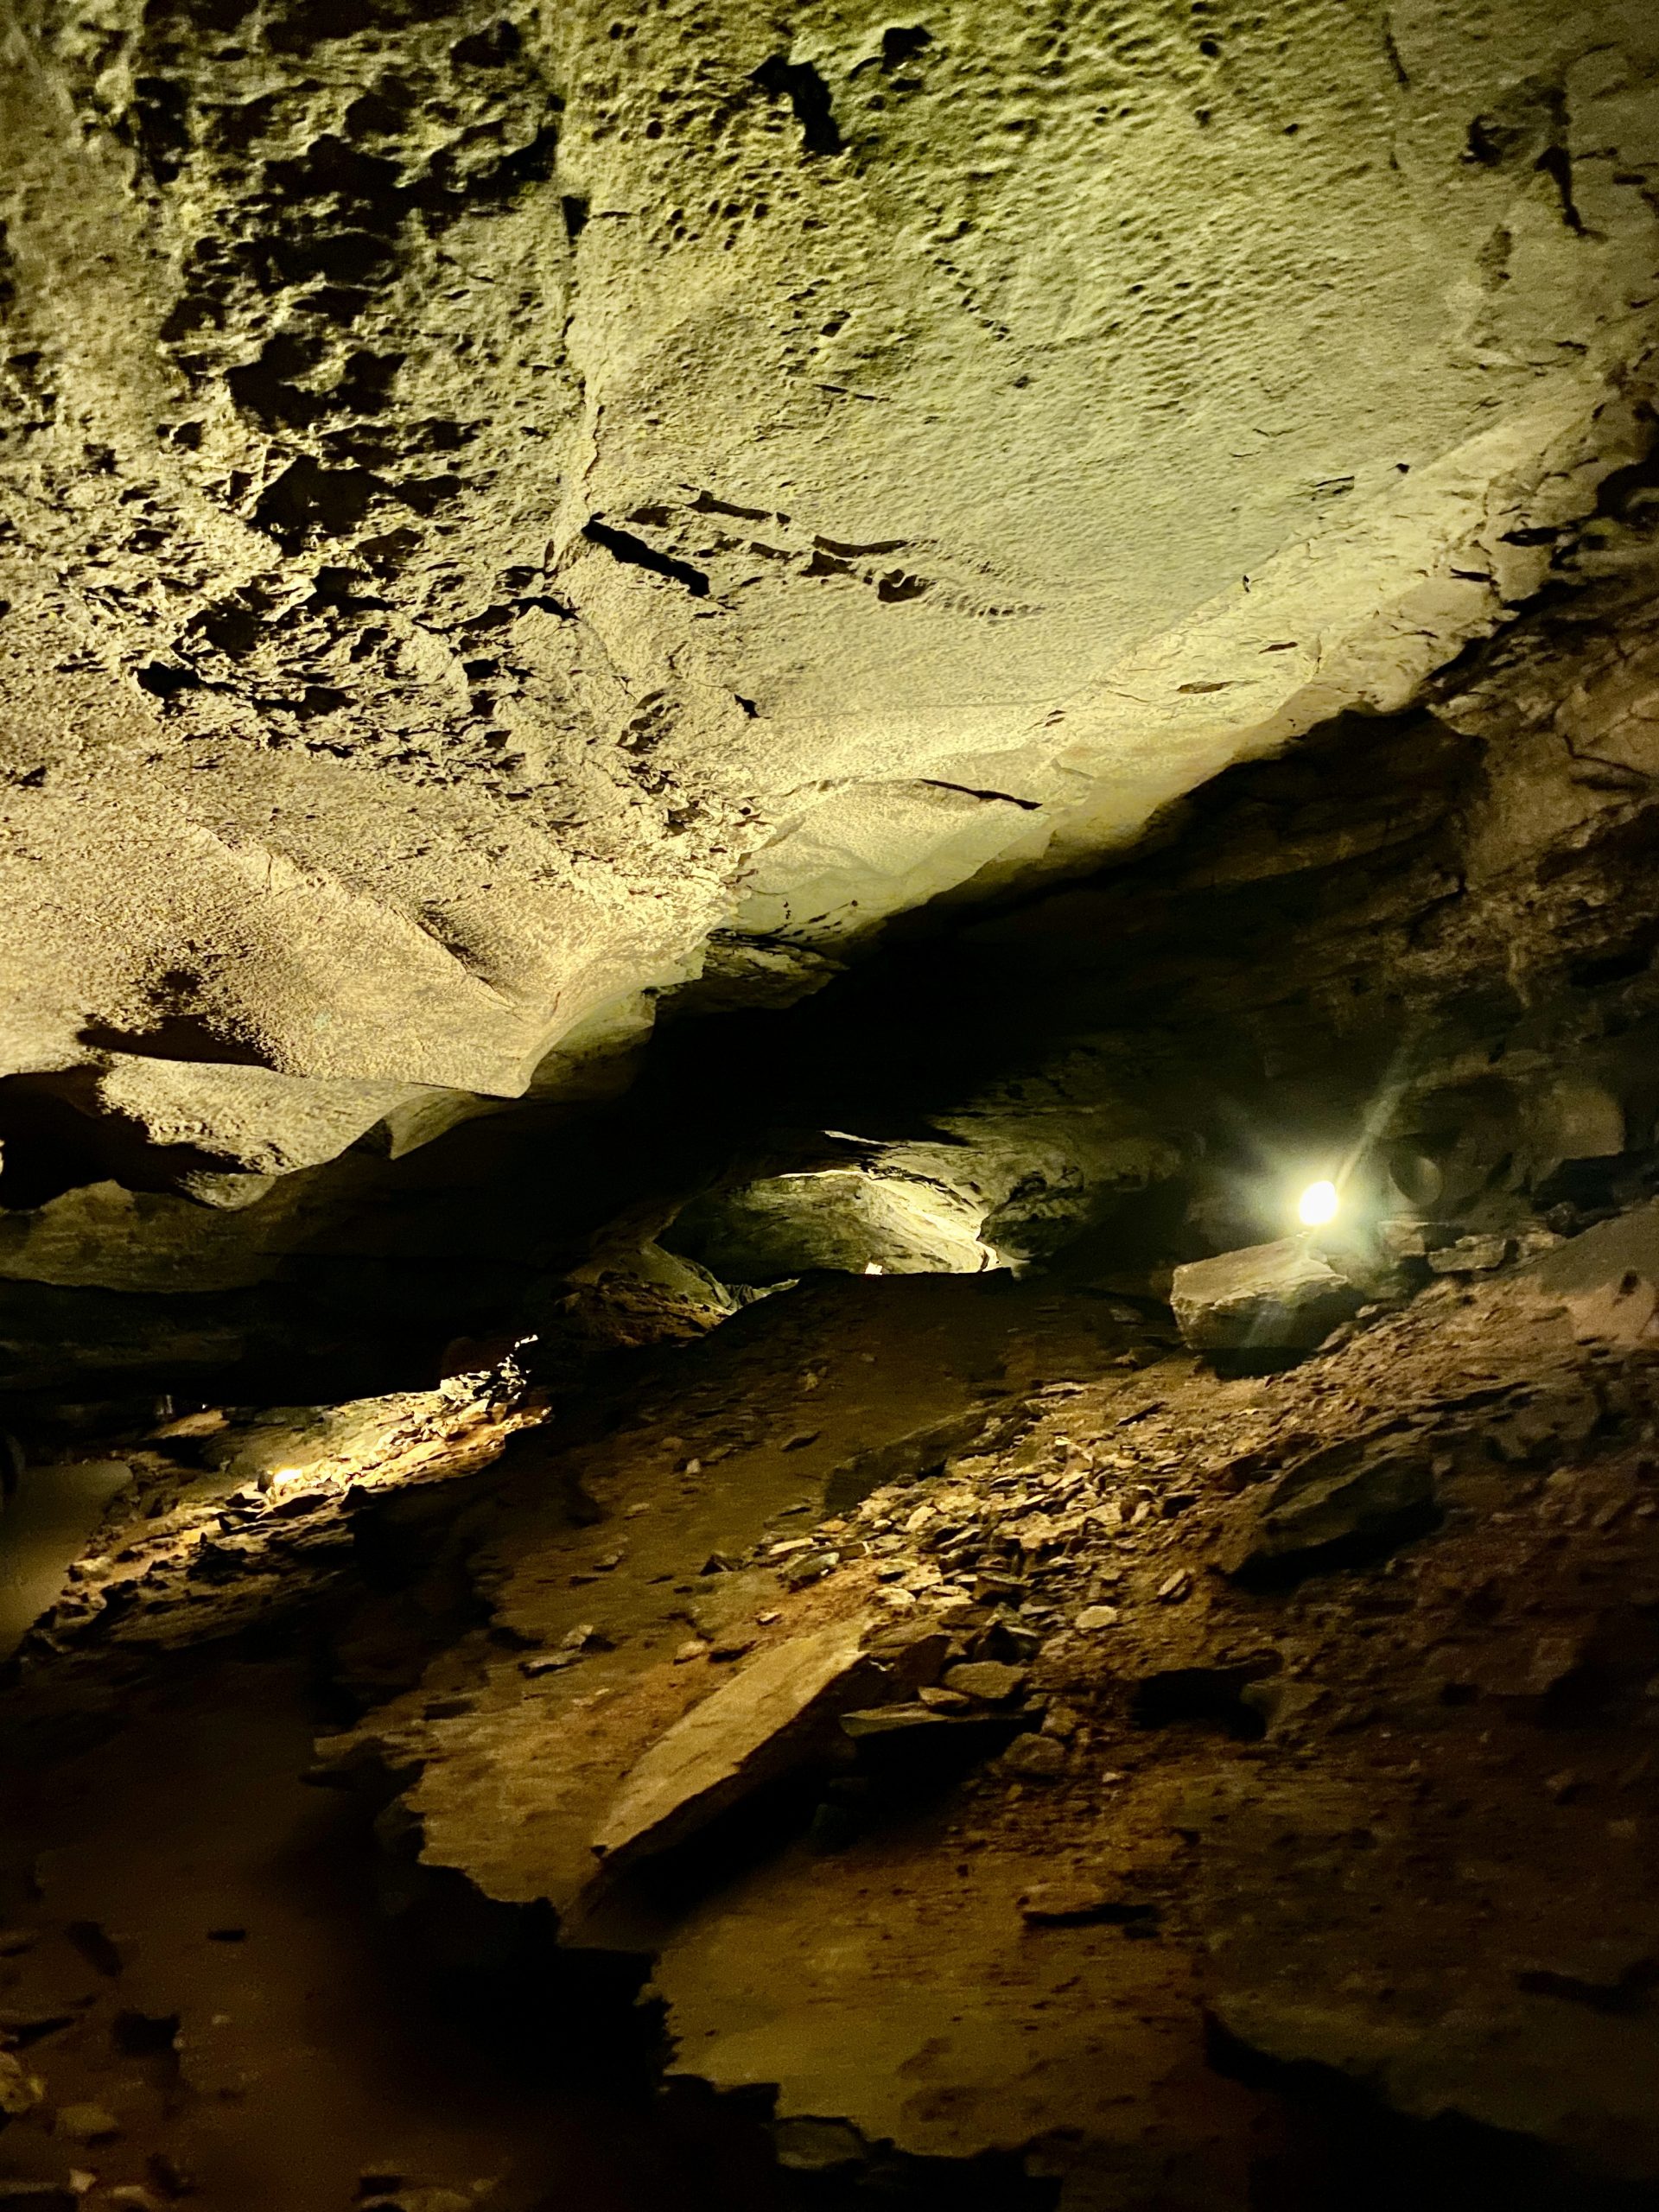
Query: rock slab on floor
(752, 1728)
(1278, 1297)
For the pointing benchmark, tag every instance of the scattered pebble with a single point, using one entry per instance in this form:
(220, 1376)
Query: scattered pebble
(988, 1680)
(85, 2123)
(1096, 1616)
(1035, 1758)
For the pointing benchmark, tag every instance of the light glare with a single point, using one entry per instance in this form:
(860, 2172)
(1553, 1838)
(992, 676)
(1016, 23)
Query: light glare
(1319, 1204)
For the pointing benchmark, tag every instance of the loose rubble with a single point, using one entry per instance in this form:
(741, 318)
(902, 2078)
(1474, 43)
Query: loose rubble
(1195, 1700)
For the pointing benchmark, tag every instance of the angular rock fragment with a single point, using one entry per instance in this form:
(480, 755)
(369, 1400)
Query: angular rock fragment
(911, 1651)
(989, 1680)
(1609, 1276)
(1405, 1237)
(1470, 1255)
(922, 1450)
(1036, 1758)
(1096, 1617)
(1350, 1502)
(1077, 1902)
(86, 2123)
(20, 2090)
(895, 1719)
(1280, 1297)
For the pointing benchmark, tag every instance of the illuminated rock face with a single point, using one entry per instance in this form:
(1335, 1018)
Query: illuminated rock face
(489, 499)
(1267, 1297)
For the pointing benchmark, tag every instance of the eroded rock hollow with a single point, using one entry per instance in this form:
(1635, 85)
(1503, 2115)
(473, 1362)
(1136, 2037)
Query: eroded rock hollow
(829, 1106)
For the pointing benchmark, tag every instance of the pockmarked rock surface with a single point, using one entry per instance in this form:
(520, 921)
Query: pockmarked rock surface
(503, 516)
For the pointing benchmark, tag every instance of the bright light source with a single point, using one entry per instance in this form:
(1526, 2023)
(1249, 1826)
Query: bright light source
(1319, 1204)
(874, 1267)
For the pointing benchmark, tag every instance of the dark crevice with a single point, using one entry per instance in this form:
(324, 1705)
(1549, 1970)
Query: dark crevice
(706, 503)
(970, 791)
(894, 590)
(1556, 163)
(188, 1037)
(902, 42)
(163, 679)
(308, 500)
(799, 83)
(623, 545)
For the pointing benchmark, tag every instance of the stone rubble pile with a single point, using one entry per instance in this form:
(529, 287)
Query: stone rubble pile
(232, 1517)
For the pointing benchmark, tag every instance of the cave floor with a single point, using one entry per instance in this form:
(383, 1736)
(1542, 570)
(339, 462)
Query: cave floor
(196, 1948)
(1257, 1860)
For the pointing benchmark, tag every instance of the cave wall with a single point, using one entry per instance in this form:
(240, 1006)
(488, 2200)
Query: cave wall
(500, 512)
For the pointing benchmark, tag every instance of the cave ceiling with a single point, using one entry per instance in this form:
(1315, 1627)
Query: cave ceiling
(506, 510)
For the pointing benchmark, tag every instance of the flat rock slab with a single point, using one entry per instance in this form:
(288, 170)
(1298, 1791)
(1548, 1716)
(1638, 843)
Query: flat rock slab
(1470, 1255)
(1609, 1276)
(1278, 1297)
(519, 1762)
(755, 1726)
(1602, 1256)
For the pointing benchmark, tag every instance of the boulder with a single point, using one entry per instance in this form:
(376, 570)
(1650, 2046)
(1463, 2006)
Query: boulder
(1278, 1297)
(919, 1451)
(1349, 1502)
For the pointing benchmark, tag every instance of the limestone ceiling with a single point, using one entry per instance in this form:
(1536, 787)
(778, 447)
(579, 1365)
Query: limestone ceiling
(493, 495)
